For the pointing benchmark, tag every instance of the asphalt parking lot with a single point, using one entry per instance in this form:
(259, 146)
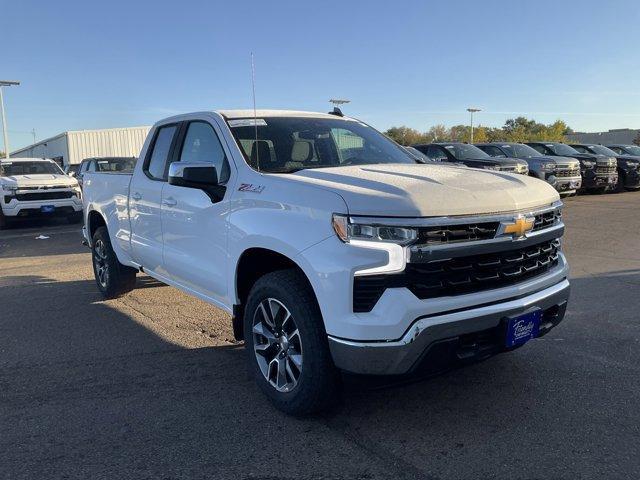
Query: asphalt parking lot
(153, 386)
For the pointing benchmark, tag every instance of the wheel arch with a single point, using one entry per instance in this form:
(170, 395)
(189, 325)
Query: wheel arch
(252, 264)
(94, 220)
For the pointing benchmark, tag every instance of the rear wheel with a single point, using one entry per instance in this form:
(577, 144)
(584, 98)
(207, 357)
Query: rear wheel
(287, 345)
(113, 278)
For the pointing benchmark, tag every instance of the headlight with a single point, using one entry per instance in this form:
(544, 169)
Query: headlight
(548, 167)
(10, 188)
(348, 232)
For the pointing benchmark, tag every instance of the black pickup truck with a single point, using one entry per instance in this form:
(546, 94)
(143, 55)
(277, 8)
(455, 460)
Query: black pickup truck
(599, 172)
(471, 156)
(628, 165)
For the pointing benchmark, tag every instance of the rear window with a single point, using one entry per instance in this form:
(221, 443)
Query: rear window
(119, 165)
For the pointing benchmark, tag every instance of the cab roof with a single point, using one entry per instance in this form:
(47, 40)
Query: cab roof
(25, 159)
(230, 114)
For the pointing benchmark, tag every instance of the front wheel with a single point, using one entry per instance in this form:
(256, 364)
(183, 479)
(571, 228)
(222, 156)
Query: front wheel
(113, 278)
(287, 345)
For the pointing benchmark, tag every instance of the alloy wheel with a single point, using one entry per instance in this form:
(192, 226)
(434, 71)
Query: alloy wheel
(100, 262)
(277, 344)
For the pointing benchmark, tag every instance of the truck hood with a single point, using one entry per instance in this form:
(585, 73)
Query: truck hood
(428, 190)
(39, 180)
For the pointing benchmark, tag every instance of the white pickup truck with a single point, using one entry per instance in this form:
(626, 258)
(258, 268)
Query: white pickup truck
(332, 248)
(36, 186)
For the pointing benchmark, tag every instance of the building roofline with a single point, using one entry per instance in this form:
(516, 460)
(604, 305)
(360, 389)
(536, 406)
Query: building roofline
(67, 132)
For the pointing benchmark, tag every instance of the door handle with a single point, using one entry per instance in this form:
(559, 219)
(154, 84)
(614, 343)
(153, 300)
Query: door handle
(136, 196)
(170, 202)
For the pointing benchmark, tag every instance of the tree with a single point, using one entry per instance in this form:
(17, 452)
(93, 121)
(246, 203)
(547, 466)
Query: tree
(405, 135)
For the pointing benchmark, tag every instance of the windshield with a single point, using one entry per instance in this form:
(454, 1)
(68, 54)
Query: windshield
(418, 154)
(602, 150)
(632, 149)
(521, 151)
(288, 144)
(462, 151)
(30, 168)
(116, 165)
(562, 149)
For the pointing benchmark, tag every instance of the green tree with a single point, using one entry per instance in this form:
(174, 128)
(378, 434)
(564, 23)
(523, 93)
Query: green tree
(405, 135)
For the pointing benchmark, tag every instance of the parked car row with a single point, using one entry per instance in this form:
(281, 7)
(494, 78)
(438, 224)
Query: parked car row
(568, 168)
(38, 187)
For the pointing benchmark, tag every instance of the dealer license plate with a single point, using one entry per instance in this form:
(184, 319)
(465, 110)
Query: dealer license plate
(523, 328)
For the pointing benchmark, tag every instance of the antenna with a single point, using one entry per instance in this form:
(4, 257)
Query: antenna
(255, 115)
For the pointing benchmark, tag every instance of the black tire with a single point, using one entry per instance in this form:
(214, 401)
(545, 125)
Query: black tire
(597, 190)
(619, 186)
(116, 279)
(3, 220)
(317, 387)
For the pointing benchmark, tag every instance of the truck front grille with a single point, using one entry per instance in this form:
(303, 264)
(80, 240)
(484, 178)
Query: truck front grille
(457, 233)
(458, 276)
(602, 170)
(27, 197)
(575, 172)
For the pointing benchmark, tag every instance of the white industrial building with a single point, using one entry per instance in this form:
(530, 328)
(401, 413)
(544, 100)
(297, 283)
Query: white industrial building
(70, 148)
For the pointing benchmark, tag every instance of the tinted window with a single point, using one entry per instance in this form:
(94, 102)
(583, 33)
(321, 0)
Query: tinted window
(91, 166)
(201, 144)
(492, 151)
(161, 147)
(562, 149)
(581, 149)
(539, 148)
(463, 151)
(437, 154)
(617, 150)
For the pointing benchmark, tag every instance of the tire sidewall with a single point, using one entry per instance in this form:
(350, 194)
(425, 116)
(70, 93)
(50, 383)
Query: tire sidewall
(306, 316)
(111, 261)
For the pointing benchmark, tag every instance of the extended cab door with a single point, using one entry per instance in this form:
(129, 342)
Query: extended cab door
(145, 199)
(194, 224)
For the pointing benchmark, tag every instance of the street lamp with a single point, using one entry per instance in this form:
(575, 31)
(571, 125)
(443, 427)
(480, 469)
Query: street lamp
(5, 83)
(471, 112)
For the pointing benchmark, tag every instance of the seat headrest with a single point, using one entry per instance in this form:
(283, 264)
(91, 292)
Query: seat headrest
(260, 151)
(302, 151)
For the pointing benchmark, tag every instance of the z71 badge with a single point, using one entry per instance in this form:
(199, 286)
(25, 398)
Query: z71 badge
(250, 187)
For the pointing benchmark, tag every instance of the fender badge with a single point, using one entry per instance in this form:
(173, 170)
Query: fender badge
(250, 187)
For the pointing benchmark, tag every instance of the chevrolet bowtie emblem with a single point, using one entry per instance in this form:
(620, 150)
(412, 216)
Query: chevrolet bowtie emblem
(519, 228)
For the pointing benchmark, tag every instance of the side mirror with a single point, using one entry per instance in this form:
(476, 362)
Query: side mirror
(199, 175)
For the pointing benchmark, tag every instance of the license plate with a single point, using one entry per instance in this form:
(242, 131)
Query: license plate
(523, 328)
(47, 208)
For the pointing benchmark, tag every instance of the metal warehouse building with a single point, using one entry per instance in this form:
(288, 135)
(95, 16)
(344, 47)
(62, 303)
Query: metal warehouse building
(72, 147)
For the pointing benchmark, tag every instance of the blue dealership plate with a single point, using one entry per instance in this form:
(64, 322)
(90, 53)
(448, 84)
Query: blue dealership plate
(523, 328)
(47, 208)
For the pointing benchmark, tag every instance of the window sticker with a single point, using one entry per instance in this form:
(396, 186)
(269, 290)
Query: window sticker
(247, 122)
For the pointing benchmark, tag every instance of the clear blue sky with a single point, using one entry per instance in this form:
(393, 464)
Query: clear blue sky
(117, 63)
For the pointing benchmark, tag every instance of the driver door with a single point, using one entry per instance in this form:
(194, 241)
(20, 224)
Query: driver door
(194, 226)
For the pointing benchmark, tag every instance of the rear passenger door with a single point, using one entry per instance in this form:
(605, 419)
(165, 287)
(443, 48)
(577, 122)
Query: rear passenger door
(145, 199)
(195, 226)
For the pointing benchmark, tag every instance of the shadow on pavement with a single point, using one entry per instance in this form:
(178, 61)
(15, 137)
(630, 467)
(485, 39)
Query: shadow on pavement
(87, 391)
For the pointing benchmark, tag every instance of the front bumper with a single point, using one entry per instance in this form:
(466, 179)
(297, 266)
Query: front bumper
(564, 184)
(426, 333)
(593, 180)
(65, 206)
(631, 178)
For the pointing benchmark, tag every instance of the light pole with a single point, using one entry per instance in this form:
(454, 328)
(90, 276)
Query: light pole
(471, 112)
(5, 83)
